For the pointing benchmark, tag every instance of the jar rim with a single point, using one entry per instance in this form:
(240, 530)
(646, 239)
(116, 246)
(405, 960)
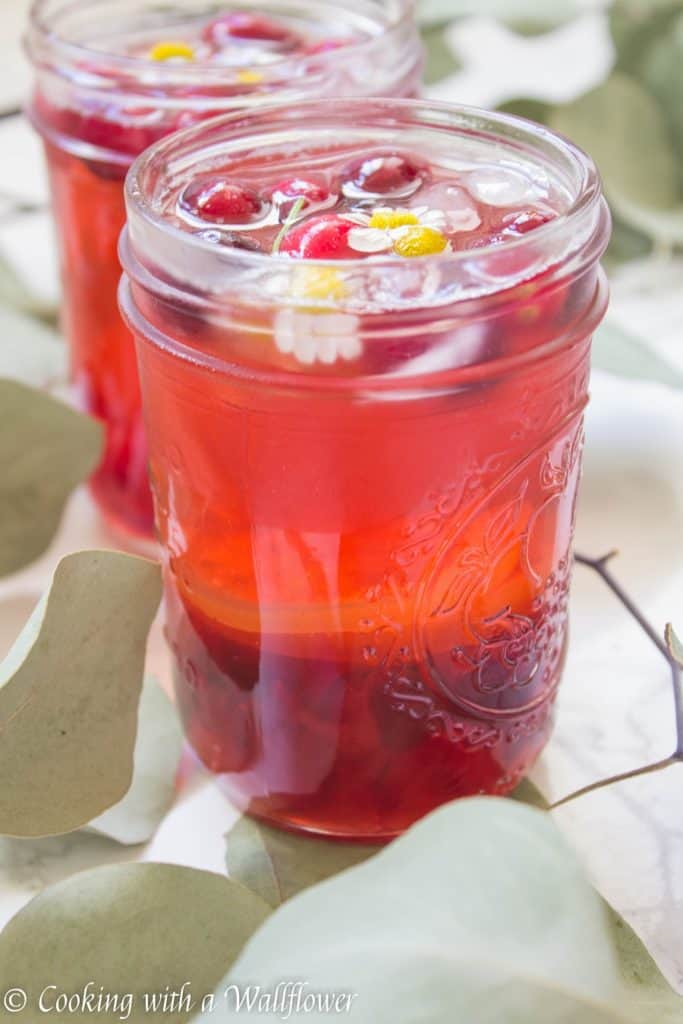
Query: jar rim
(580, 233)
(43, 32)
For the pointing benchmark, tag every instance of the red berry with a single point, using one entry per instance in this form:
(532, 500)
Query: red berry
(287, 191)
(529, 220)
(320, 238)
(221, 202)
(241, 25)
(325, 46)
(384, 174)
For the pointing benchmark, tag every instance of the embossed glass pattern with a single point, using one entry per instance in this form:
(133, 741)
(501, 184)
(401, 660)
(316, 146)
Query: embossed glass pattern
(367, 565)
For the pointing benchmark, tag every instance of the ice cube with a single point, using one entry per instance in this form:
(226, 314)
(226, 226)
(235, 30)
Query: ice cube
(503, 186)
(460, 212)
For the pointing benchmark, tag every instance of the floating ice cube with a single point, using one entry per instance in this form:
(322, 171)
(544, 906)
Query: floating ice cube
(460, 213)
(503, 186)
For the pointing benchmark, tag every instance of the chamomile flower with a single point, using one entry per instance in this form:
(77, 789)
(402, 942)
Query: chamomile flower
(316, 335)
(417, 232)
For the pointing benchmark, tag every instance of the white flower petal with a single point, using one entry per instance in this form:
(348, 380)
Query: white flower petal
(436, 219)
(327, 350)
(350, 347)
(369, 240)
(306, 348)
(286, 330)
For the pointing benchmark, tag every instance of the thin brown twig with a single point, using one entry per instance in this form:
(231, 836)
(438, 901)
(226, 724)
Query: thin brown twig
(601, 567)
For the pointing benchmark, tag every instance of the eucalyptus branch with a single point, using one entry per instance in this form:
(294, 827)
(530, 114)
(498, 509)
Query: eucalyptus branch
(669, 648)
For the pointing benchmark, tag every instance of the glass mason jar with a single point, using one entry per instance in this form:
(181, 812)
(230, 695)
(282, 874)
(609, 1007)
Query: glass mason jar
(366, 497)
(97, 108)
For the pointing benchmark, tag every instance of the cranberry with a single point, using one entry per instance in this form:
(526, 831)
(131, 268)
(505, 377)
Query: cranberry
(287, 192)
(325, 46)
(382, 175)
(241, 25)
(529, 220)
(220, 201)
(320, 238)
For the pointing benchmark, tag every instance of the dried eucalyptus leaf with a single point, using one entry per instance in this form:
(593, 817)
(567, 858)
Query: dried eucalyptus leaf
(623, 128)
(277, 865)
(157, 754)
(129, 930)
(30, 351)
(46, 449)
(481, 913)
(69, 693)
(674, 644)
(621, 353)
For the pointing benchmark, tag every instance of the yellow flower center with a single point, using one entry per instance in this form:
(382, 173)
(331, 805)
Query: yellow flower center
(420, 241)
(249, 77)
(386, 219)
(319, 283)
(171, 51)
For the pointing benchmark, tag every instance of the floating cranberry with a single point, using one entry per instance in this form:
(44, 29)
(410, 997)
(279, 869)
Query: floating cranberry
(320, 238)
(241, 25)
(221, 202)
(529, 220)
(232, 240)
(325, 46)
(286, 193)
(387, 174)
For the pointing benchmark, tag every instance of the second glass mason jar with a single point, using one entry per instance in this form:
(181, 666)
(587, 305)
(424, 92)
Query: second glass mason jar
(366, 434)
(114, 76)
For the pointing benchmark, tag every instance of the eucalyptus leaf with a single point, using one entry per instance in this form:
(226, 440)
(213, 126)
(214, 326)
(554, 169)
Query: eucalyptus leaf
(15, 293)
(636, 26)
(441, 61)
(657, 1003)
(621, 353)
(528, 793)
(157, 754)
(481, 913)
(31, 352)
(662, 73)
(69, 693)
(532, 110)
(626, 243)
(277, 865)
(623, 128)
(129, 931)
(674, 644)
(536, 11)
(46, 449)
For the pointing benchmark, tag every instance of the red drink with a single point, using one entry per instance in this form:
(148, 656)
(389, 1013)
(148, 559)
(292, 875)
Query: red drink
(115, 77)
(364, 403)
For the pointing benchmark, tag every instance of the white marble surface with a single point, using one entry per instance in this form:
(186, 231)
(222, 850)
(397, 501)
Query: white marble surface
(616, 706)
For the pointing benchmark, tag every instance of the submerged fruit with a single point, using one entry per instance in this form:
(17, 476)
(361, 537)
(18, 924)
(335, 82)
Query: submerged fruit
(221, 201)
